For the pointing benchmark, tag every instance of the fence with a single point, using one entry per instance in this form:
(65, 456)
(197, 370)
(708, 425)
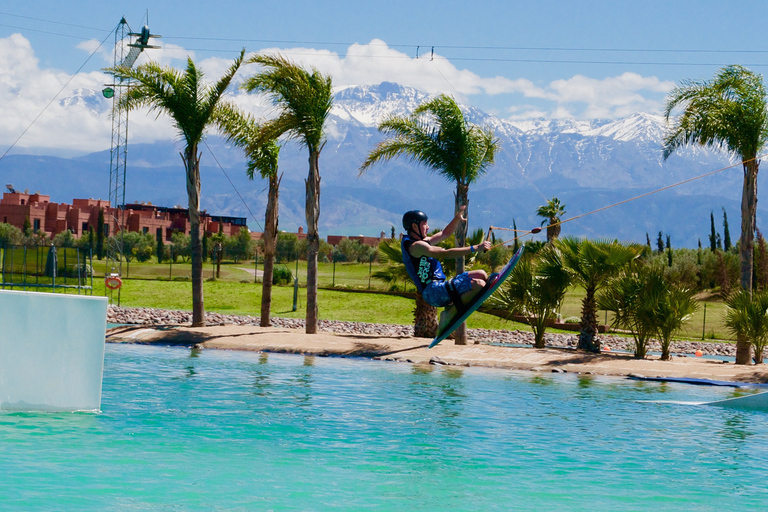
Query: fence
(41, 267)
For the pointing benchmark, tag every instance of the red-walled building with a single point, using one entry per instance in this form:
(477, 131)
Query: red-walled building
(54, 218)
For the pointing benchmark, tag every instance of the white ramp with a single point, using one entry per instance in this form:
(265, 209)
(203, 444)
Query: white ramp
(756, 402)
(51, 351)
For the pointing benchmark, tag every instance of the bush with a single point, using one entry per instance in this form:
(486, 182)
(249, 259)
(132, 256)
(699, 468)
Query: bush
(282, 275)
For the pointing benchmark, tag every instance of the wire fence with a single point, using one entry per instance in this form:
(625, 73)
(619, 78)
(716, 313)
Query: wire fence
(46, 267)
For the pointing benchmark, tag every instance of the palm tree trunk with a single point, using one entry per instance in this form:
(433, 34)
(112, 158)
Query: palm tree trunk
(192, 165)
(424, 319)
(588, 326)
(461, 199)
(746, 255)
(748, 211)
(312, 212)
(743, 350)
(270, 245)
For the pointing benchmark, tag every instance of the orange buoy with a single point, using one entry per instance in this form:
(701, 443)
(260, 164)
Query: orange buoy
(606, 349)
(113, 282)
(699, 353)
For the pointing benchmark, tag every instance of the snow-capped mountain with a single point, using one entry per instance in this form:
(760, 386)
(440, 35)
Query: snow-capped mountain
(587, 164)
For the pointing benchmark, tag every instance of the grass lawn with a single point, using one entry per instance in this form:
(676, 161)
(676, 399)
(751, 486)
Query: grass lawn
(167, 286)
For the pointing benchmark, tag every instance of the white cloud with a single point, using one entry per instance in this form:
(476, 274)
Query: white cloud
(375, 62)
(78, 119)
(590, 98)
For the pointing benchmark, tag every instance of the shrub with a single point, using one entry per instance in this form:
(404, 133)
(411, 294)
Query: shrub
(282, 275)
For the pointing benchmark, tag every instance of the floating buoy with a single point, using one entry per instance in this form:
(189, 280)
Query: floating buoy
(113, 282)
(606, 349)
(699, 353)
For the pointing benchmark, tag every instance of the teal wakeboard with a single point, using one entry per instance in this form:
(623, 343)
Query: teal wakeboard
(494, 281)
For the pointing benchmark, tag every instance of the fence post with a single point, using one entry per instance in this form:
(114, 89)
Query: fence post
(704, 328)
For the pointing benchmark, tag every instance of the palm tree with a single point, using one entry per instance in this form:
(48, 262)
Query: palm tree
(438, 136)
(747, 319)
(304, 100)
(536, 289)
(647, 303)
(551, 213)
(192, 105)
(242, 130)
(591, 264)
(729, 112)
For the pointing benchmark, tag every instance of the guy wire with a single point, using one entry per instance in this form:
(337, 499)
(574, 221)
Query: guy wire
(526, 233)
(233, 185)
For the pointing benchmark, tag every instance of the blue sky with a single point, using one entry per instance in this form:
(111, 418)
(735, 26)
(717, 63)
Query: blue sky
(551, 59)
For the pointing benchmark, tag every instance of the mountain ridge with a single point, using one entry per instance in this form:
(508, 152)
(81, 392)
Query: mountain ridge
(588, 164)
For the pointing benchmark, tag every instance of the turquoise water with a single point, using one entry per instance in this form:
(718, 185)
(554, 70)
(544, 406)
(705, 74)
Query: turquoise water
(217, 430)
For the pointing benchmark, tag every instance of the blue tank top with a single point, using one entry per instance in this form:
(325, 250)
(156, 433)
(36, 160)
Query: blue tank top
(422, 270)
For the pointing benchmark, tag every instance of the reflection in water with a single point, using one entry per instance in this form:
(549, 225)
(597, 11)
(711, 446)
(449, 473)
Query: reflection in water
(303, 380)
(440, 394)
(585, 381)
(422, 369)
(735, 428)
(541, 381)
(261, 376)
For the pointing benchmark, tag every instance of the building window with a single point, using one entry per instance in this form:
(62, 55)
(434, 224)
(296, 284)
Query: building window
(37, 225)
(85, 227)
(106, 229)
(159, 232)
(146, 230)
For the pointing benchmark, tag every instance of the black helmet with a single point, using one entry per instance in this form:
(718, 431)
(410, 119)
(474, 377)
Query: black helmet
(413, 217)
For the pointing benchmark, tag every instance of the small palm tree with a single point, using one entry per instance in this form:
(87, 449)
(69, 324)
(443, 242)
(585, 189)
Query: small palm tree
(747, 318)
(552, 211)
(728, 112)
(592, 263)
(646, 303)
(438, 136)
(192, 105)
(536, 289)
(304, 100)
(242, 130)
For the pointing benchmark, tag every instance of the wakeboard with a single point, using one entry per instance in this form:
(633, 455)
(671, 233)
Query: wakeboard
(494, 281)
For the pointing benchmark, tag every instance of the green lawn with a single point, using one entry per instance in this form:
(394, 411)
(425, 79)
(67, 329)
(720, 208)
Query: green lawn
(167, 286)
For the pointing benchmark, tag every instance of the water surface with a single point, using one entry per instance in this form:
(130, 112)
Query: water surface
(216, 430)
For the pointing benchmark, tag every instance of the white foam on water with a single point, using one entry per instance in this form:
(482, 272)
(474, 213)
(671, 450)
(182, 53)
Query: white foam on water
(51, 351)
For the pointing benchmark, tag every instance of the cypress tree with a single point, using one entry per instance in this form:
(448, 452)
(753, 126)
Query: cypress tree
(669, 251)
(27, 227)
(517, 245)
(660, 243)
(712, 233)
(206, 245)
(100, 235)
(726, 232)
(160, 249)
(648, 240)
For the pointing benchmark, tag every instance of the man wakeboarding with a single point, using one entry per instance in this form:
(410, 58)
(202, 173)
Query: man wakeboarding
(420, 256)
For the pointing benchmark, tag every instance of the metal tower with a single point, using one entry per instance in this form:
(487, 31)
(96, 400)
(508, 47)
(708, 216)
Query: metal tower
(125, 56)
(126, 53)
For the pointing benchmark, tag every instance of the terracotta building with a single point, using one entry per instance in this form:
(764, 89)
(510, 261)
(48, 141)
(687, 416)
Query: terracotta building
(54, 218)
